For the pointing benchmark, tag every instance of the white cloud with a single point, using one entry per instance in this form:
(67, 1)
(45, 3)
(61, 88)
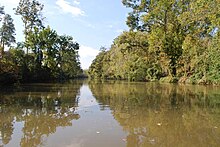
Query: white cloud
(119, 31)
(87, 54)
(66, 7)
(85, 51)
(9, 3)
(76, 2)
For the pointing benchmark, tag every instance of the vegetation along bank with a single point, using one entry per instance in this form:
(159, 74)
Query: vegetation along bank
(169, 40)
(43, 56)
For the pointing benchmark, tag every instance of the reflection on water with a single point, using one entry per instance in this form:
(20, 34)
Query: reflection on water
(163, 114)
(41, 108)
(93, 114)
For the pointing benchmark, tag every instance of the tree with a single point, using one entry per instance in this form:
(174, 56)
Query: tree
(168, 23)
(68, 57)
(128, 58)
(47, 40)
(31, 14)
(53, 55)
(134, 19)
(168, 40)
(1, 12)
(7, 32)
(96, 68)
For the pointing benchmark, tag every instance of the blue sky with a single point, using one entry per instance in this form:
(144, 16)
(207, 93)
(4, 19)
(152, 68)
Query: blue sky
(92, 23)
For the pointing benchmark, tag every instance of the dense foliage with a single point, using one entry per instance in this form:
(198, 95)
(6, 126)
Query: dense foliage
(43, 56)
(169, 40)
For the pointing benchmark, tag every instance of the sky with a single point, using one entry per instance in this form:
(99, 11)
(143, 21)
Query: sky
(92, 23)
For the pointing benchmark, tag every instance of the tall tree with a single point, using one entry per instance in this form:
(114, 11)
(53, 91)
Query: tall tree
(42, 43)
(31, 14)
(68, 57)
(7, 32)
(1, 12)
(139, 8)
(56, 54)
(160, 19)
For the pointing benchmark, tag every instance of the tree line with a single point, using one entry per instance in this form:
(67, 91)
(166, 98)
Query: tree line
(168, 40)
(43, 55)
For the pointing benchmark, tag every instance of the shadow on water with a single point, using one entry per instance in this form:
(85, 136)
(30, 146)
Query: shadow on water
(156, 114)
(41, 108)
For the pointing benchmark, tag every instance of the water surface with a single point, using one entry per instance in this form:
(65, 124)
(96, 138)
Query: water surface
(112, 113)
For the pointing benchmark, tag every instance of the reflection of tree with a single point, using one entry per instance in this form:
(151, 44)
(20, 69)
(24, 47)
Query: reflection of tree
(6, 126)
(163, 114)
(40, 123)
(42, 108)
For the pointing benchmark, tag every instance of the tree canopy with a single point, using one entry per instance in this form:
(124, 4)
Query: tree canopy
(168, 40)
(48, 56)
(7, 31)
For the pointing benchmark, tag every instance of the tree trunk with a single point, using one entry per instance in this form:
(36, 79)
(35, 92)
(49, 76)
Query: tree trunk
(2, 49)
(25, 33)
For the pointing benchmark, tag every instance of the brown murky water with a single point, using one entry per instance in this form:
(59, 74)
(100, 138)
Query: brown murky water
(107, 114)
